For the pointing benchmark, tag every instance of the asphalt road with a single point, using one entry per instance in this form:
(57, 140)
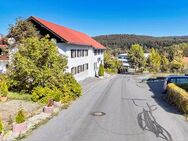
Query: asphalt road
(132, 111)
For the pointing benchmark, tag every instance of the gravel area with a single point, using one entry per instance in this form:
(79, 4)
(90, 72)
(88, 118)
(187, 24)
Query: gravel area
(9, 109)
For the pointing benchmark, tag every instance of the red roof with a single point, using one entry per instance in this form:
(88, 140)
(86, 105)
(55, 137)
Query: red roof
(70, 35)
(4, 46)
(4, 57)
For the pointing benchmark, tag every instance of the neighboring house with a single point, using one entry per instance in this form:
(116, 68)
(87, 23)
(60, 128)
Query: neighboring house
(84, 54)
(4, 57)
(124, 59)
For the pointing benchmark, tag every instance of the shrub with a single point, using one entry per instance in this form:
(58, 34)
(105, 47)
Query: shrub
(183, 86)
(66, 99)
(43, 94)
(3, 88)
(178, 97)
(20, 117)
(101, 70)
(1, 126)
(71, 86)
(57, 97)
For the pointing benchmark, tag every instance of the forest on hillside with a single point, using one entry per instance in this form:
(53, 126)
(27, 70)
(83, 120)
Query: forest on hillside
(120, 43)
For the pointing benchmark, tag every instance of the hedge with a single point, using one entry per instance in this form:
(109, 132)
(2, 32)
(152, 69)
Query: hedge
(178, 97)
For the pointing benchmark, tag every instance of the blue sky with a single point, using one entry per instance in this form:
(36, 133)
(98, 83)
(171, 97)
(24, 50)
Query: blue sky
(99, 17)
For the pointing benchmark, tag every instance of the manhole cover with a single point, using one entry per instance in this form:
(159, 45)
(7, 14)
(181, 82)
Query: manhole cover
(98, 114)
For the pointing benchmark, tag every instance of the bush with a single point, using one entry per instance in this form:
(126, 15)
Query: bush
(1, 126)
(71, 86)
(67, 91)
(101, 70)
(178, 97)
(20, 117)
(43, 94)
(57, 97)
(183, 86)
(3, 88)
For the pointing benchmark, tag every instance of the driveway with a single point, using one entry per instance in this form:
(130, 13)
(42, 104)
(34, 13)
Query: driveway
(119, 108)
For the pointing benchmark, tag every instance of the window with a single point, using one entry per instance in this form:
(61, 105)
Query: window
(83, 67)
(86, 66)
(73, 53)
(77, 53)
(80, 67)
(85, 52)
(172, 80)
(95, 52)
(98, 51)
(182, 81)
(82, 53)
(73, 70)
(78, 70)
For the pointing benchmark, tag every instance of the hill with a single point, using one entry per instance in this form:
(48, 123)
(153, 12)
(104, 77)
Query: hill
(121, 42)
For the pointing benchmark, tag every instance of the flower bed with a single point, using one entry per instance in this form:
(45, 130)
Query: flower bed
(178, 97)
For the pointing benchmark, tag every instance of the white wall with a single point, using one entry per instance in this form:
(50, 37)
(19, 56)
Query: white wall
(3, 66)
(65, 49)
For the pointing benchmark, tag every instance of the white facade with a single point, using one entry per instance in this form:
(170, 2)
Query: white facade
(124, 59)
(3, 65)
(82, 66)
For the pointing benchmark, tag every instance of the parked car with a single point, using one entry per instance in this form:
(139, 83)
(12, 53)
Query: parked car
(176, 80)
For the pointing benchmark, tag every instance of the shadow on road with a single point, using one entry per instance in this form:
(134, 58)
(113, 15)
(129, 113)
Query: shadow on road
(156, 87)
(147, 121)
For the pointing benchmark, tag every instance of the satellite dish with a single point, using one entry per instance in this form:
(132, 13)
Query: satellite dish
(11, 41)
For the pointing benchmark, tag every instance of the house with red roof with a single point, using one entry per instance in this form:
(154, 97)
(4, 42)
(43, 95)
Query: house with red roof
(84, 54)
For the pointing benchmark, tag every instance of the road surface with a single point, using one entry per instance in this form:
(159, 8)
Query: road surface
(119, 108)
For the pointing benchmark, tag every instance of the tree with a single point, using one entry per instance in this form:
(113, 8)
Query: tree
(164, 64)
(176, 66)
(136, 57)
(154, 61)
(22, 29)
(111, 64)
(36, 63)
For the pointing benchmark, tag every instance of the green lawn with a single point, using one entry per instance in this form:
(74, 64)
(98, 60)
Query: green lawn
(19, 96)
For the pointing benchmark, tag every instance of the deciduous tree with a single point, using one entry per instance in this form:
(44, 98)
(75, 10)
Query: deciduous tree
(136, 57)
(154, 61)
(22, 29)
(36, 63)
